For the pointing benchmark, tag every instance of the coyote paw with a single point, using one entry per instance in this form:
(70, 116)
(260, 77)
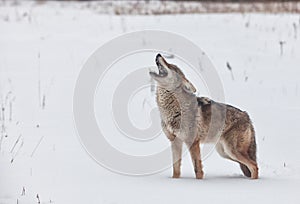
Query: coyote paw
(254, 176)
(176, 175)
(199, 175)
(254, 173)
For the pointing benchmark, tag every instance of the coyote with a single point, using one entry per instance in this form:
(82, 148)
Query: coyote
(186, 118)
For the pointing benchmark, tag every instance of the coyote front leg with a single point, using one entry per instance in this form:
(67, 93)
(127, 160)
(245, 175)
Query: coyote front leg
(194, 148)
(177, 153)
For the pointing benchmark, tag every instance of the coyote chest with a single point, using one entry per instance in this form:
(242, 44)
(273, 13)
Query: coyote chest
(171, 116)
(169, 110)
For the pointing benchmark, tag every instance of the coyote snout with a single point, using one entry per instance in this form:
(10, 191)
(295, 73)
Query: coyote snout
(186, 118)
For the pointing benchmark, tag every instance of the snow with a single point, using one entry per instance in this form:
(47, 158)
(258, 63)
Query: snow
(48, 45)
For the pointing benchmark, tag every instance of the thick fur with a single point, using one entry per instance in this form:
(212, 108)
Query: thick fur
(178, 110)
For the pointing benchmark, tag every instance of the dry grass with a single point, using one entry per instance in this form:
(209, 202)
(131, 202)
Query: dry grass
(190, 7)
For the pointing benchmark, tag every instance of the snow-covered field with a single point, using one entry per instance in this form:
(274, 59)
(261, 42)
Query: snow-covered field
(42, 50)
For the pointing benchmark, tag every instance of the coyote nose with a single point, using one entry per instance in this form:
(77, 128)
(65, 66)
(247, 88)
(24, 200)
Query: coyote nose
(158, 56)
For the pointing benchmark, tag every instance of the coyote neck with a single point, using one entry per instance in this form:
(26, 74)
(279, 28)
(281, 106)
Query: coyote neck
(188, 108)
(187, 101)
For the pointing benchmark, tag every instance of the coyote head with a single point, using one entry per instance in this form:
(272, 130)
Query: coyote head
(170, 76)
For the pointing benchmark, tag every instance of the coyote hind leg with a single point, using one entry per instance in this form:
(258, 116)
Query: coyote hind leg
(246, 162)
(222, 153)
(239, 144)
(248, 166)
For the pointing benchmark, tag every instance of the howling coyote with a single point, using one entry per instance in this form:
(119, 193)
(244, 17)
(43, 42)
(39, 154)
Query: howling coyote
(192, 120)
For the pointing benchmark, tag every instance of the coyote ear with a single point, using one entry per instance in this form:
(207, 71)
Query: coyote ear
(188, 86)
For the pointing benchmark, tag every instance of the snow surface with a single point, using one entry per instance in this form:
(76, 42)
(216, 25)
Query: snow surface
(44, 46)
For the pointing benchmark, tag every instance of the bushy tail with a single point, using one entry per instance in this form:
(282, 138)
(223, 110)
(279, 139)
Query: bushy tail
(251, 153)
(245, 170)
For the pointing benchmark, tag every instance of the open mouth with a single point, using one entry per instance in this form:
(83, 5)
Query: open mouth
(162, 71)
